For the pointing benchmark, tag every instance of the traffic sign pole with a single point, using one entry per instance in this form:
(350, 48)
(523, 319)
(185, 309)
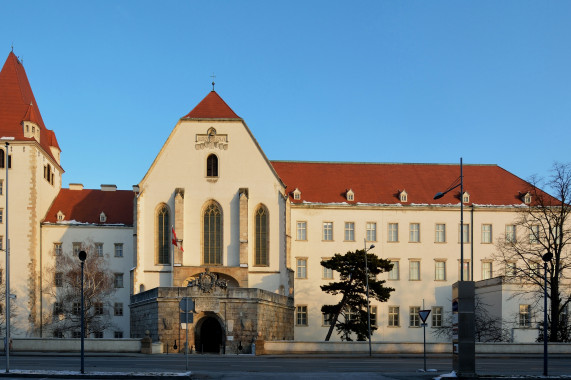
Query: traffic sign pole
(423, 314)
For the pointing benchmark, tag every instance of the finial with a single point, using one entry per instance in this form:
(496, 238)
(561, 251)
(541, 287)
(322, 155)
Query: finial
(12, 46)
(213, 76)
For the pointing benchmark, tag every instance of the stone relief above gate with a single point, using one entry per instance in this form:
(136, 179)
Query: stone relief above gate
(207, 281)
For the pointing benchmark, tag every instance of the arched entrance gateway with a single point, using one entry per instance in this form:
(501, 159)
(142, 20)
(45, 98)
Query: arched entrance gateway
(208, 335)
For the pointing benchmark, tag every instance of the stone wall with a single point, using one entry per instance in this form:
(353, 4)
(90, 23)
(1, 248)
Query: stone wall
(243, 315)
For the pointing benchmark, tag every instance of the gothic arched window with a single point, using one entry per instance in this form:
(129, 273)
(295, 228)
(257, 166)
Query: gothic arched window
(262, 236)
(163, 235)
(212, 166)
(212, 229)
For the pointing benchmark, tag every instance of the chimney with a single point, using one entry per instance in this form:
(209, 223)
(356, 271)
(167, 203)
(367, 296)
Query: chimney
(108, 187)
(76, 186)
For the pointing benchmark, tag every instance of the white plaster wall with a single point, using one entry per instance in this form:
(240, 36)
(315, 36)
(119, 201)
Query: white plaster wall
(67, 234)
(180, 165)
(407, 293)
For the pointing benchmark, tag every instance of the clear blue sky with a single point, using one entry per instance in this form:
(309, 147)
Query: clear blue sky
(372, 81)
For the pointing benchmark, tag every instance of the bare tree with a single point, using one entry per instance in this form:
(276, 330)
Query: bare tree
(544, 233)
(487, 327)
(63, 284)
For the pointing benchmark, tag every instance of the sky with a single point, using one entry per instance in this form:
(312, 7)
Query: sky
(357, 81)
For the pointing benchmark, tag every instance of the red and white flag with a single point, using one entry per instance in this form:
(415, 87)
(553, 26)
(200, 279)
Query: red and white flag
(175, 241)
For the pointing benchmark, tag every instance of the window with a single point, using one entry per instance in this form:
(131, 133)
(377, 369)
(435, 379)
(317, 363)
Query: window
(394, 316)
(118, 249)
(98, 334)
(486, 270)
(535, 269)
(58, 334)
(297, 194)
(403, 196)
(118, 335)
(510, 233)
(76, 334)
(118, 309)
(393, 232)
(466, 270)
(511, 269)
(371, 231)
(1, 186)
(99, 249)
(58, 279)
(524, 316)
(486, 233)
(466, 197)
(163, 235)
(212, 234)
(326, 319)
(98, 308)
(414, 270)
(58, 309)
(414, 233)
(57, 249)
(2, 159)
(350, 195)
(440, 233)
(301, 268)
(440, 270)
(76, 308)
(1, 243)
(437, 316)
(262, 236)
(76, 248)
(394, 273)
(301, 316)
(413, 317)
(349, 231)
(118, 282)
(328, 231)
(102, 218)
(327, 273)
(351, 314)
(534, 234)
(301, 231)
(373, 314)
(1, 215)
(465, 234)
(212, 166)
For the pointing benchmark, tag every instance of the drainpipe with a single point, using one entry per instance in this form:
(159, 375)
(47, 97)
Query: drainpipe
(472, 243)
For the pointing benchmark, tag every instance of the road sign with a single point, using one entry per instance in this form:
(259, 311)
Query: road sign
(423, 314)
(186, 304)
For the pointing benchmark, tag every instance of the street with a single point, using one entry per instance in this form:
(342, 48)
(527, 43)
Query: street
(246, 366)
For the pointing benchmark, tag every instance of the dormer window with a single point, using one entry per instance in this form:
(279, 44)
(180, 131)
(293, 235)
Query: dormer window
(60, 216)
(102, 217)
(527, 198)
(403, 196)
(466, 197)
(296, 194)
(350, 195)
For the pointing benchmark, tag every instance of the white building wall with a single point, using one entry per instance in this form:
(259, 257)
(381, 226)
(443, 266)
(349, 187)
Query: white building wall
(180, 165)
(109, 236)
(407, 293)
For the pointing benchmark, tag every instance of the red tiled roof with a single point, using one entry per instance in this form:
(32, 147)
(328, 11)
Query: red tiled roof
(17, 103)
(321, 182)
(212, 107)
(85, 206)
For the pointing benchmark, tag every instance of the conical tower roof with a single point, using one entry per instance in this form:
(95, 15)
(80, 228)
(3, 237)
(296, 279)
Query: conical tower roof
(17, 104)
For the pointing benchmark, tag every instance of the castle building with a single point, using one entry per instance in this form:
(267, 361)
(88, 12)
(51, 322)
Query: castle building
(250, 232)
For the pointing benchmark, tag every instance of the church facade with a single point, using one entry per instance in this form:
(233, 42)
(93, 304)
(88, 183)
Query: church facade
(214, 221)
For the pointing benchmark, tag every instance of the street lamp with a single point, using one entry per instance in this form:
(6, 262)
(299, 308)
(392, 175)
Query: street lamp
(464, 346)
(82, 256)
(7, 343)
(547, 257)
(368, 304)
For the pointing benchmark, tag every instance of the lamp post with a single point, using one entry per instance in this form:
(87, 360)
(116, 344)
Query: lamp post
(7, 343)
(464, 355)
(367, 284)
(82, 256)
(547, 257)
